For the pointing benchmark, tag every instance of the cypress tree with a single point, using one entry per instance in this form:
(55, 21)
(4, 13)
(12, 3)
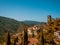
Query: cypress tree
(8, 39)
(42, 38)
(16, 40)
(33, 33)
(25, 37)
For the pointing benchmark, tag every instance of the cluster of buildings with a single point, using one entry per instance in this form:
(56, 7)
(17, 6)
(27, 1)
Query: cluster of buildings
(33, 29)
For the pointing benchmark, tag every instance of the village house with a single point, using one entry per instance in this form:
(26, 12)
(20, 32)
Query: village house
(33, 30)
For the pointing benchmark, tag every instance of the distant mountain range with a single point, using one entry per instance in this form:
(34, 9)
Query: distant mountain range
(8, 24)
(31, 23)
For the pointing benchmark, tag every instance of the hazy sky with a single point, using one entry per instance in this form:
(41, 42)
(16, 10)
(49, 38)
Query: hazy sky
(36, 10)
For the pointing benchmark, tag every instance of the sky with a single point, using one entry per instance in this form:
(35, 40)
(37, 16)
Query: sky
(35, 10)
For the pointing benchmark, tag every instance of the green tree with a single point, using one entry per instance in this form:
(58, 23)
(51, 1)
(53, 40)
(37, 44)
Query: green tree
(8, 39)
(16, 40)
(42, 38)
(25, 37)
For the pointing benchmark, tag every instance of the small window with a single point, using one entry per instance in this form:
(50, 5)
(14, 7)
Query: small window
(59, 33)
(28, 41)
(56, 28)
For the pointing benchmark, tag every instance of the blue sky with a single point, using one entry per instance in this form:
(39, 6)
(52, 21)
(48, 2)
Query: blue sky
(36, 10)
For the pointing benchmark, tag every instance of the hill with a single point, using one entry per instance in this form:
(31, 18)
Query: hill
(7, 24)
(31, 23)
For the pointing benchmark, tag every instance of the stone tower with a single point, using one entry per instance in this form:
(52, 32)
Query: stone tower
(49, 20)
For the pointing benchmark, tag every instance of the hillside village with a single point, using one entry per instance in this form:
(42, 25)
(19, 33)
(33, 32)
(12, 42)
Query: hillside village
(47, 34)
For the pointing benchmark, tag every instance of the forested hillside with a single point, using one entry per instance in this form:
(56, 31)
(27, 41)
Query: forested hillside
(7, 24)
(14, 26)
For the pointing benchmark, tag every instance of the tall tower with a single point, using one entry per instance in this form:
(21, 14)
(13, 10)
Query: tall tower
(49, 20)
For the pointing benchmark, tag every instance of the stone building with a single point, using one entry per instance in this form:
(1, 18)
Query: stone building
(33, 30)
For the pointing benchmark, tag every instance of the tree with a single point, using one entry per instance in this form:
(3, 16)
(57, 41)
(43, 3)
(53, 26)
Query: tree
(25, 37)
(42, 38)
(16, 40)
(8, 39)
(33, 33)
